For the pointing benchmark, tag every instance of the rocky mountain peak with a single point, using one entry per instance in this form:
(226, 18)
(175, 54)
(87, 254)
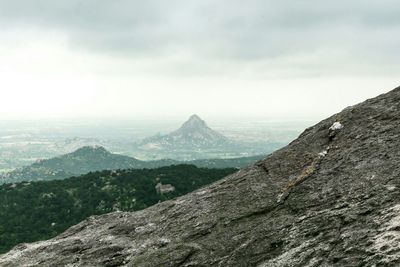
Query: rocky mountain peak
(194, 134)
(195, 118)
(330, 198)
(194, 123)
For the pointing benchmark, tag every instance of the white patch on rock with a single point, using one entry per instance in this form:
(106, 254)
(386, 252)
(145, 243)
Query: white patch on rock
(336, 126)
(164, 241)
(323, 153)
(391, 187)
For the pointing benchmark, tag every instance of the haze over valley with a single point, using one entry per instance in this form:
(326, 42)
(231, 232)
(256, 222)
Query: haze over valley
(25, 142)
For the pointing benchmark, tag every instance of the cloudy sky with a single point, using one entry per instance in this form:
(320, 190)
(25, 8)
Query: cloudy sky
(225, 58)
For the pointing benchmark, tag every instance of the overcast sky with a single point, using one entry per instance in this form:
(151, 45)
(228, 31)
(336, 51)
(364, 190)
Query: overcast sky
(225, 58)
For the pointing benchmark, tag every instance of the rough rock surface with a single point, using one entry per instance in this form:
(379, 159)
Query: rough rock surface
(330, 198)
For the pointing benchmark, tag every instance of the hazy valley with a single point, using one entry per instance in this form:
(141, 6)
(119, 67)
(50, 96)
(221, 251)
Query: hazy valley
(24, 143)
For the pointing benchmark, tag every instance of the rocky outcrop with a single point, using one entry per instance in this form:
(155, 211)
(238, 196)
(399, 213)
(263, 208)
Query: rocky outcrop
(330, 198)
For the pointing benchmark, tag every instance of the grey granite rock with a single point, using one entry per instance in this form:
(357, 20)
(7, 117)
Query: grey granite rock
(330, 198)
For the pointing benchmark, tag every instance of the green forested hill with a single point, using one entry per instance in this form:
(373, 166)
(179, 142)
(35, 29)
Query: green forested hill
(31, 211)
(84, 160)
(91, 159)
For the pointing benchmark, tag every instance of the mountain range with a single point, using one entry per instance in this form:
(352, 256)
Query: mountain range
(329, 198)
(96, 158)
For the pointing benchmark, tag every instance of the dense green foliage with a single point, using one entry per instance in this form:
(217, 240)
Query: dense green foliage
(32, 211)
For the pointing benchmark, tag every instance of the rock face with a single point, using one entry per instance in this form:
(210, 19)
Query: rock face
(330, 198)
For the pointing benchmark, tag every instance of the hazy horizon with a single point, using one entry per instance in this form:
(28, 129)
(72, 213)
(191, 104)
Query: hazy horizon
(307, 108)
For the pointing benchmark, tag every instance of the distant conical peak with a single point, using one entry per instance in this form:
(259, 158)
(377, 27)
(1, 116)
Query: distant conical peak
(195, 117)
(194, 121)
